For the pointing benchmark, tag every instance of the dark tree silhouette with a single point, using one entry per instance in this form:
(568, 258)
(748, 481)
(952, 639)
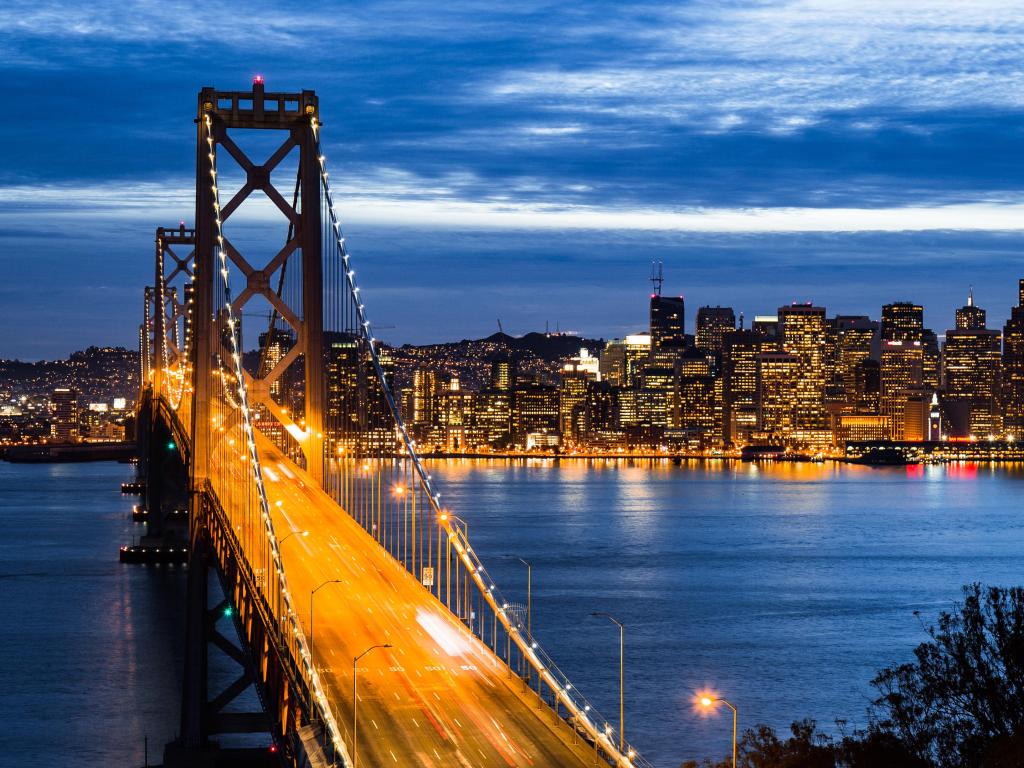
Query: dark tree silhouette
(960, 704)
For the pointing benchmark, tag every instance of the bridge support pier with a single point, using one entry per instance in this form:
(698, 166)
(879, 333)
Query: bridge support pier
(213, 604)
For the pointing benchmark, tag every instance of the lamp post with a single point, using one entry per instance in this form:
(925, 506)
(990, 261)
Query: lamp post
(622, 676)
(312, 658)
(303, 534)
(708, 701)
(355, 701)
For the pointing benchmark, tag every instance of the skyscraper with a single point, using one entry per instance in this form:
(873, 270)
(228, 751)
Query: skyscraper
(64, 415)
(668, 324)
(712, 325)
(803, 334)
(1013, 369)
(901, 372)
(971, 362)
(855, 337)
(902, 321)
(969, 317)
(739, 386)
(778, 375)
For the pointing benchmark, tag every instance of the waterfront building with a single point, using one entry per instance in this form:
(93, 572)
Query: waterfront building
(860, 427)
(739, 384)
(802, 333)
(971, 362)
(855, 340)
(572, 396)
(492, 415)
(778, 375)
(900, 371)
(535, 414)
(64, 415)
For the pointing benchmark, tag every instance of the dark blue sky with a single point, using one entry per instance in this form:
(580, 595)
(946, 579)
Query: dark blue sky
(528, 164)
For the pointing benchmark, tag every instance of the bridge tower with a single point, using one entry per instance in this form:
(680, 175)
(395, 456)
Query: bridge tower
(288, 115)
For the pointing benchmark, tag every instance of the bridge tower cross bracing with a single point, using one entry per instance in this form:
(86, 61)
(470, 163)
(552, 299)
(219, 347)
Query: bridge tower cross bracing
(288, 114)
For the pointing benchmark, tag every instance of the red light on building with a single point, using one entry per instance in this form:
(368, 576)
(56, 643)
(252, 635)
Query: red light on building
(257, 80)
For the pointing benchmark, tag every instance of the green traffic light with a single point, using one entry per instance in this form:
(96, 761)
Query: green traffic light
(171, 446)
(227, 611)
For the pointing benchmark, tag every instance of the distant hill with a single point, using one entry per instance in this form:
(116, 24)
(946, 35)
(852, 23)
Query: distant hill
(550, 347)
(469, 359)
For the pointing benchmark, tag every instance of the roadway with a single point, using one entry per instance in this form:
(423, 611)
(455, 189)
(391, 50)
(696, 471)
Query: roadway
(439, 697)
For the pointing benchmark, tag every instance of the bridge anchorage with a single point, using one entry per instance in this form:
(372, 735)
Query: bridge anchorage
(307, 500)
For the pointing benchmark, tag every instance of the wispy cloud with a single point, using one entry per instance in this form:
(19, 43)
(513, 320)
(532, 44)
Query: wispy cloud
(397, 200)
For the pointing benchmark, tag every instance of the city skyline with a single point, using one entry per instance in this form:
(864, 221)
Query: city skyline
(536, 166)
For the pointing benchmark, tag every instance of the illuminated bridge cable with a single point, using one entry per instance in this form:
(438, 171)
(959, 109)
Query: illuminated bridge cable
(320, 699)
(368, 503)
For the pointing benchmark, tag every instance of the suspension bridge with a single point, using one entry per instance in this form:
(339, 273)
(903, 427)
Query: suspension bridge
(363, 618)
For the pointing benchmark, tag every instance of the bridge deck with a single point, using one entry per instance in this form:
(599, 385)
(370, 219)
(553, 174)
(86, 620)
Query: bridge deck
(439, 697)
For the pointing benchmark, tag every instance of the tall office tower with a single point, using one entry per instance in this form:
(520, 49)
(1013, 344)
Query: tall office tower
(866, 387)
(612, 365)
(931, 361)
(902, 321)
(455, 407)
(358, 418)
(601, 415)
(492, 415)
(712, 325)
(969, 317)
(916, 413)
(696, 412)
(637, 355)
(855, 336)
(64, 415)
(668, 324)
(802, 330)
(778, 377)
(572, 396)
(535, 415)
(273, 348)
(425, 389)
(503, 374)
(971, 362)
(654, 395)
(1013, 370)
(739, 384)
(901, 370)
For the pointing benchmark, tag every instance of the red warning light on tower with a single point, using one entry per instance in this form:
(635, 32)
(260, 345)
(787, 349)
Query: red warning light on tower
(257, 80)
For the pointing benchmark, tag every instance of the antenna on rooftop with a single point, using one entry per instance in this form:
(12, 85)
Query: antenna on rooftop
(657, 277)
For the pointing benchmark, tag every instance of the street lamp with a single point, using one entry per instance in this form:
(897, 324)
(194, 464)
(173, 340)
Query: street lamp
(622, 676)
(529, 592)
(312, 658)
(288, 536)
(709, 701)
(355, 701)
